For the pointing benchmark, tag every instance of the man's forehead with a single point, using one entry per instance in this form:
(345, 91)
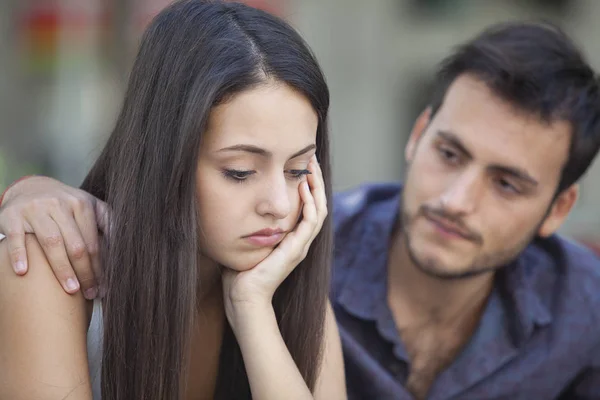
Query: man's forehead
(494, 133)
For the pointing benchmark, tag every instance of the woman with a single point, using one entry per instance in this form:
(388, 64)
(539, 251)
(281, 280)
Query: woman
(215, 265)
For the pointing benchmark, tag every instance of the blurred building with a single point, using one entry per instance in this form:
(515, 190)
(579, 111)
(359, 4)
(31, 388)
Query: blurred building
(62, 83)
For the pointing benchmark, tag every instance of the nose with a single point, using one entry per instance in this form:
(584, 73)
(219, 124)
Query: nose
(274, 199)
(462, 196)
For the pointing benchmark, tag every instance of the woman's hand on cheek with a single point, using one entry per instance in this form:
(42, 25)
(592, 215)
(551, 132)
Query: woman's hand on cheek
(254, 288)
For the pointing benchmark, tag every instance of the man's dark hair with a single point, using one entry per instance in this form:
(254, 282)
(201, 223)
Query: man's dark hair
(540, 71)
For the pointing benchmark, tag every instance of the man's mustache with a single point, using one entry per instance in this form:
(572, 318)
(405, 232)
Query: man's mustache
(456, 222)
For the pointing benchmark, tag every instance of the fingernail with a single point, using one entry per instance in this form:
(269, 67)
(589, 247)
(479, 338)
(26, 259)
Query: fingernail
(91, 293)
(19, 267)
(72, 284)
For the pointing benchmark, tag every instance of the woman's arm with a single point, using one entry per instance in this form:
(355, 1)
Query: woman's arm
(331, 382)
(43, 331)
(248, 296)
(271, 370)
(66, 222)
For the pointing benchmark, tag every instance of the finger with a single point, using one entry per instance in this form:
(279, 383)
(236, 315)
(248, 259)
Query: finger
(309, 210)
(77, 249)
(15, 237)
(291, 250)
(85, 217)
(296, 241)
(51, 240)
(102, 216)
(315, 180)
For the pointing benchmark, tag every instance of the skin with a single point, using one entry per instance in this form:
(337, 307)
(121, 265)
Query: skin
(256, 148)
(492, 172)
(271, 194)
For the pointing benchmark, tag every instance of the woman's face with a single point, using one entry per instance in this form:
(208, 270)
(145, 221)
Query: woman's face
(253, 157)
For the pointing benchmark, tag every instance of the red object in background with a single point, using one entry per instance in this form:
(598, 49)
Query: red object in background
(44, 25)
(146, 10)
(274, 7)
(591, 243)
(39, 28)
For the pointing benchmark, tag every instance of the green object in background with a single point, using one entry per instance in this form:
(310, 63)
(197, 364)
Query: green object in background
(437, 8)
(9, 172)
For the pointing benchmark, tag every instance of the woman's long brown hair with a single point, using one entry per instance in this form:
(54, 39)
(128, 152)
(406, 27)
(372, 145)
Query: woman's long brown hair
(194, 55)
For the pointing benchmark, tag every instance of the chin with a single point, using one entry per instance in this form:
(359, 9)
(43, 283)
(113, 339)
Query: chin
(246, 260)
(433, 263)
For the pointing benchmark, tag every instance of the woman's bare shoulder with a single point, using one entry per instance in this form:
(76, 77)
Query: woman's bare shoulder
(43, 332)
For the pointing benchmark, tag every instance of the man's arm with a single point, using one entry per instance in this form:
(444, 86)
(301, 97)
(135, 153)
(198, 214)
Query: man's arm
(65, 221)
(43, 332)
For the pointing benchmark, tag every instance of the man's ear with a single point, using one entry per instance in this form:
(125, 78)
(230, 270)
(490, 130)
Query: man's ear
(418, 129)
(560, 209)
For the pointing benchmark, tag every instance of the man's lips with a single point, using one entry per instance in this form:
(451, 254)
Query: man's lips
(449, 228)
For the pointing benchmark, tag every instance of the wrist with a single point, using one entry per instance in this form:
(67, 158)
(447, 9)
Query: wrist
(9, 189)
(244, 316)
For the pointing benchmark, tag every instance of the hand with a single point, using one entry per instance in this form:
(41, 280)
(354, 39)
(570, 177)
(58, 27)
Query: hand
(65, 221)
(257, 285)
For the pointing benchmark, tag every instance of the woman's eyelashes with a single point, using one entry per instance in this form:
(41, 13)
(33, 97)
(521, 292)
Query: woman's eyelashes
(298, 173)
(237, 175)
(240, 176)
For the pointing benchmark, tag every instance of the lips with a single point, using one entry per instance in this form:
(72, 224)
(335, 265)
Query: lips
(266, 237)
(449, 228)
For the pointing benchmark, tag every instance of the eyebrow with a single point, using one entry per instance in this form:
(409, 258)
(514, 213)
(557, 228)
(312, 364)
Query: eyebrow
(517, 173)
(262, 152)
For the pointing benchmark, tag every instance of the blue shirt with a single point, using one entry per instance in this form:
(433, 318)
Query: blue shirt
(538, 337)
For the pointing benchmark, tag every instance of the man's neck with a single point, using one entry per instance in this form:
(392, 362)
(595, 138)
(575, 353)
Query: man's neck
(419, 299)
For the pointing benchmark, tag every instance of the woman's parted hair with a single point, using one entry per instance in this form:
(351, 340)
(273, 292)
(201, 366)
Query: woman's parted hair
(193, 56)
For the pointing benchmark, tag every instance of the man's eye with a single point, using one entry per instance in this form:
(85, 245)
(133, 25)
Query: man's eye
(448, 155)
(506, 186)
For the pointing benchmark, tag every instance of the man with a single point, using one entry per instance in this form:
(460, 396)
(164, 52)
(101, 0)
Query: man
(455, 285)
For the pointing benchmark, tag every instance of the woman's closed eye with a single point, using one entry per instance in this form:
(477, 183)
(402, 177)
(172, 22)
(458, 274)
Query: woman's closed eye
(298, 173)
(238, 175)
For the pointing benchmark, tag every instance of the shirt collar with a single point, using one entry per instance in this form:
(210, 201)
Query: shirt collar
(526, 290)
(365, 289)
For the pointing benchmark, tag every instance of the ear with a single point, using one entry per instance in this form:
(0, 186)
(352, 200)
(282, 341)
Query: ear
(559, 211)
(417, 131)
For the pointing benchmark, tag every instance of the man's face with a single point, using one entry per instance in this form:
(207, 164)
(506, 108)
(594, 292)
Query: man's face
(481, 182)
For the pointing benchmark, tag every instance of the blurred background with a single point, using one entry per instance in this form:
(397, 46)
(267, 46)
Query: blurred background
(65, 63)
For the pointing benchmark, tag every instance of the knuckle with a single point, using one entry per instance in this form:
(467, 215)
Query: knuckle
(77, 250)
(13, 234)
(304, 254)
(79, 204)
(16, 253)
(92, 249)
(52, 241)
